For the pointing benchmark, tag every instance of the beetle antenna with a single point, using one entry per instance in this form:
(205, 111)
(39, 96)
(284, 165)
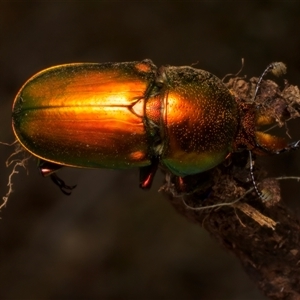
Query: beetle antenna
(276, 68)
(251, 164)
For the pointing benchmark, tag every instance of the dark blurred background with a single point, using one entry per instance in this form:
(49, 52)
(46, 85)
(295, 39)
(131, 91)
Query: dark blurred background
(109, 239)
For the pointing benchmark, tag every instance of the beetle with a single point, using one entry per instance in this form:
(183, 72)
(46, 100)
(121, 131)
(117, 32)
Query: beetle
(133, 114)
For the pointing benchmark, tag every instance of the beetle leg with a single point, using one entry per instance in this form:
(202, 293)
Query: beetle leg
(48, 169)
(66, 189)
(147, 174)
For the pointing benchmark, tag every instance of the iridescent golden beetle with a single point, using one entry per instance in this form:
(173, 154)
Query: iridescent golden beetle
(124, 115)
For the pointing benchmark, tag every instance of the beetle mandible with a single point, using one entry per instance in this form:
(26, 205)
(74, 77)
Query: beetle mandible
(133, 114)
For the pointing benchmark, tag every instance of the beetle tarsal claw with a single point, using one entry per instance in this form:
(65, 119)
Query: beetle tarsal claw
(66, 189)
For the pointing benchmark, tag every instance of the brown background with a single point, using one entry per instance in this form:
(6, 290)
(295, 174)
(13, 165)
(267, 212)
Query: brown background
(110, 240)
